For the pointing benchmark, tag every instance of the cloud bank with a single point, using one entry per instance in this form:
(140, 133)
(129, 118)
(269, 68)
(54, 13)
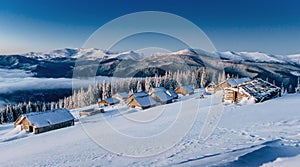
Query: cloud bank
(12, 80)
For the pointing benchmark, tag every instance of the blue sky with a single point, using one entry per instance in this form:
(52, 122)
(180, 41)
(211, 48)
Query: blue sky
(270, 26)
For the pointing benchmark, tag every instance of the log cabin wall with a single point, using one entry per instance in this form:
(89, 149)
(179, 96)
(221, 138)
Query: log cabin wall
(229, 95)
(241, 96)
(134, 103)
(25, 124)
(181, 90)
(53, 127)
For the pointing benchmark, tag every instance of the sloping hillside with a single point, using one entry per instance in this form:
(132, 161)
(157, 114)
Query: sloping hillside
(249, 135)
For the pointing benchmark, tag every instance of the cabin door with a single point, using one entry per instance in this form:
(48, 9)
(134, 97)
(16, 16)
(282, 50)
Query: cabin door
(235, 97)
(30, 129)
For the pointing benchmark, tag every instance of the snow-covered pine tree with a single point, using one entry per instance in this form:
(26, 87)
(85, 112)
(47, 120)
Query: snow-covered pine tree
(213, 77)
(9, 115)
(114, 88)
(52, 107)
(89, 96)
(133, 85)
(157, 80)
(37, 107)
(104, 93)
(17, 111)
(1, 116)
(203, 78)
(228, 76)
(179, 78)
(108, 89)
(61, 103)
(44, 108)
(125, 84)
(298, 86)
(28, 107)
(24, 107)
(20, 108)
(290, 90)
(223, 77)
(96, 93)
(282, 89)
(66, 102)
(147, 84)
(74, 99)
(139, 86)
(185, 78)
(193, 80)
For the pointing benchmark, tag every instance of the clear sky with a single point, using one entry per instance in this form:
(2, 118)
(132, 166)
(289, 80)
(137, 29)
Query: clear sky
(270, 26)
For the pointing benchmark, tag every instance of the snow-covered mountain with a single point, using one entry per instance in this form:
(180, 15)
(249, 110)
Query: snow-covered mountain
(60, 63)
(93, 53)
(243, 56)
(76, 53)
(252, 56)
(295, 58)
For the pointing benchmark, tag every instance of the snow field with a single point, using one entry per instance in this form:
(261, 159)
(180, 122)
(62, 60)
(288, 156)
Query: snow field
(243, 135)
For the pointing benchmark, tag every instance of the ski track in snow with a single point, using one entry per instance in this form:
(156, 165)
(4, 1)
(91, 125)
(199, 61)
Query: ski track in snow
(242, 133)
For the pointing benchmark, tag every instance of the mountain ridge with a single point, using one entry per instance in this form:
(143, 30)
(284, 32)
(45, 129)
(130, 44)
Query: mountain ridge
(94, 53)
(61, 63)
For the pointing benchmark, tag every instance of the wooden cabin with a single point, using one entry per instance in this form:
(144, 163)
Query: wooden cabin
(141, 100)
(108, 102)
(234, 95)
(230, 83)
(121, 95)
(91, 111)
(184, 90)
(256, 90)
(210, 89)
(162, 97)
(38, 122)
(133, 95)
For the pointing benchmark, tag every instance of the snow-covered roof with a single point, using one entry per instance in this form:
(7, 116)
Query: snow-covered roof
(52, 117)
(188, 88)
(145, 101)
(260, 89)
(112, 100)
(124, 95)
(211, 84)
(172, 93)
(162, 96)
(140, 94)
(234, 82)
(157, 89)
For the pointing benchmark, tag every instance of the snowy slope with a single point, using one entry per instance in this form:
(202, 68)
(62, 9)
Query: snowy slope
(244, 134)
(284, 162)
